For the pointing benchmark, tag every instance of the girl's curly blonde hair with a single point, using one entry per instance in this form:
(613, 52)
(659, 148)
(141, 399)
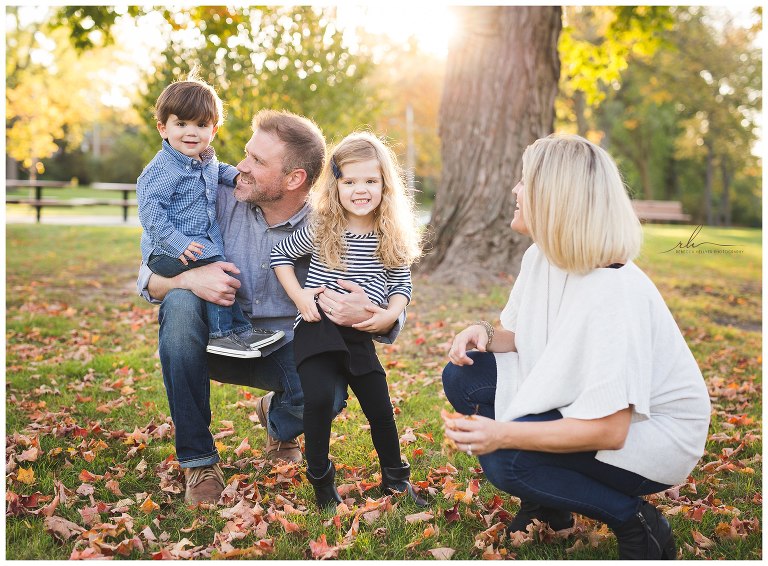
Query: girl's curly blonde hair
(395, 221)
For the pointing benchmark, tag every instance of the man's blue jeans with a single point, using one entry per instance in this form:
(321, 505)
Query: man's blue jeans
(222, 321)
(574, 482)
(188, 369)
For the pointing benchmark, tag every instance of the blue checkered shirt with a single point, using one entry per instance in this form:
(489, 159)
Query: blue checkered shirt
(177, 202)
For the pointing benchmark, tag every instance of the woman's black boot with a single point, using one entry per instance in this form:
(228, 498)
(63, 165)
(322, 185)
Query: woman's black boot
(557, 519)
(396, 480)
(646, 536)
(325, 488)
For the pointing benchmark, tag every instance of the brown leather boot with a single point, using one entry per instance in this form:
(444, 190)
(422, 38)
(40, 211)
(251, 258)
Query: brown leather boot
(287, 450)
(204, 484)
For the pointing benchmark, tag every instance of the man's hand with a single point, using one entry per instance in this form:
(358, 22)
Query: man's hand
(346, 309)
(211, 282)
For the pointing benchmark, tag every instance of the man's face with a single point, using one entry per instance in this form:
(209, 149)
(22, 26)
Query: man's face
(261, 177)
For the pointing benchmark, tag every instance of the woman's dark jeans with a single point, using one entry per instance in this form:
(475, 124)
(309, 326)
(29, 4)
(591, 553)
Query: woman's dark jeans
(574, 482)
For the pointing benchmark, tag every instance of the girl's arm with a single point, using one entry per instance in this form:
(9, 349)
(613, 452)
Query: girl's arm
(476, 337)
(486, 435)
(304, 299)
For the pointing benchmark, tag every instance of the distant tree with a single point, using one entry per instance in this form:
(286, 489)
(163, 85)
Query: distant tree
(38, 116)
(409, 83)
(54, 97)
(289, 58)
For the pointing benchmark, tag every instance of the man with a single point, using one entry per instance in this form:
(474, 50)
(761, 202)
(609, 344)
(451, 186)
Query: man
(283, 159)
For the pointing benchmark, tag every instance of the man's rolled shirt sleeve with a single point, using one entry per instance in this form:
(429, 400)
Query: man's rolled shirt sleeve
(142, 282)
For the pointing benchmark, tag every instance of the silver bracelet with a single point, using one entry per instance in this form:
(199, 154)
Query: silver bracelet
(488, 330)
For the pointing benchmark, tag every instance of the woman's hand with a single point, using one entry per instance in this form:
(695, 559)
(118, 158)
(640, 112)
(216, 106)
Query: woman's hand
(472, 337)
(474, 434)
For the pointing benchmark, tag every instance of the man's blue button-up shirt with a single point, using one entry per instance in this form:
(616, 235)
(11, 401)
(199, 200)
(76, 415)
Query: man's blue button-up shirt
(177, 202)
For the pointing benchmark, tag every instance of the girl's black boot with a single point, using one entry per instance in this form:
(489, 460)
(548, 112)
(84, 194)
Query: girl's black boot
(646, 536)
(396, 480)
(557, 519)
(325, 488)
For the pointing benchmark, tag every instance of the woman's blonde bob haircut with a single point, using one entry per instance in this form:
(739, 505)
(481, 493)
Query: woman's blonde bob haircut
(576, 207)
(395, 221)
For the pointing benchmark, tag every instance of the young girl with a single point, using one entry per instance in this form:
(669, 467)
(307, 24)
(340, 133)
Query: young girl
(363, 230)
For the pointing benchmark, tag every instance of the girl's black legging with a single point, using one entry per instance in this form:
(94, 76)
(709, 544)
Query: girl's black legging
(319, 375)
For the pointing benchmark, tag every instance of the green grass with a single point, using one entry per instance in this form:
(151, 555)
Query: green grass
(82, 377)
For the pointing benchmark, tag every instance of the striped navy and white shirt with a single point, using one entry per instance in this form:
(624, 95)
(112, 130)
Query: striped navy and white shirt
(362, 266)
(177, 202)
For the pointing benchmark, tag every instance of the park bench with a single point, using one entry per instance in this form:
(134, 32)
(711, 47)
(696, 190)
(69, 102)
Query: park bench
(39, 202)
(660, 210)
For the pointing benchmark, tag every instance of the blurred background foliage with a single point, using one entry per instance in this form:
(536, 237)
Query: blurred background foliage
(674, 93)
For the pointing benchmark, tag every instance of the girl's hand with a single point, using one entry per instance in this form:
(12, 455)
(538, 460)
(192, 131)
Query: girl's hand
(305, 302)
(192, 249)
(474, 434)
(471, 337)
(380, 323)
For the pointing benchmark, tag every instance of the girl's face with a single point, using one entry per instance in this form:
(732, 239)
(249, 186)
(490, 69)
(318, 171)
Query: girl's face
(360, 188)
(518, 222)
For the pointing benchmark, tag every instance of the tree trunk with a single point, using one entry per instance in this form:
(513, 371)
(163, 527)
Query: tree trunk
(725, 200)
(500, 88)
(708, 181)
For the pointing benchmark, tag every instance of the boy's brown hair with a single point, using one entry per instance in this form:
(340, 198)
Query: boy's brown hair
(190, 99)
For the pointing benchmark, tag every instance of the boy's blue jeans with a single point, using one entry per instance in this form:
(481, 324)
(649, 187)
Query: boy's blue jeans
(574, 482)
(222, 321)
(188, 368)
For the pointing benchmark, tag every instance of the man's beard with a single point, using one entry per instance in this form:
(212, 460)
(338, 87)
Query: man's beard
(263, 194)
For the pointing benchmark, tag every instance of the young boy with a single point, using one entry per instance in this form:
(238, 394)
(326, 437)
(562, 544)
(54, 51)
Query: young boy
(177, 206)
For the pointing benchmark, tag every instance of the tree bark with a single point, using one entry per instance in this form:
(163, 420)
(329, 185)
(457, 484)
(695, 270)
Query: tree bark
(725, 201)
(708, 181)
(500, 88)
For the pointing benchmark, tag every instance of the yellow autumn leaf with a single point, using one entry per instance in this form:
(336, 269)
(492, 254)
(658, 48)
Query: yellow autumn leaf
(148, 506)
(26, 475)
(220, 446)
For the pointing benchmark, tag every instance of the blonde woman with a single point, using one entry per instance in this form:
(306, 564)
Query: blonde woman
(587, 396)
(362, 230)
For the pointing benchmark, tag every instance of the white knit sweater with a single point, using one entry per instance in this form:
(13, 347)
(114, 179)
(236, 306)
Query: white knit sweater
(591, 345)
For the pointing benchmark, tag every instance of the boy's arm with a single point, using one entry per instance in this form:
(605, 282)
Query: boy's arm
(228, 175)
(154, 191)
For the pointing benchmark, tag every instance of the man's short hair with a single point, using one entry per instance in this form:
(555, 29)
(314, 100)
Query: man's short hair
(303, 139)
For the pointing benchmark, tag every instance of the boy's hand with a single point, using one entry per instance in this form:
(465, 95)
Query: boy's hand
(305, 302)
(192, 249)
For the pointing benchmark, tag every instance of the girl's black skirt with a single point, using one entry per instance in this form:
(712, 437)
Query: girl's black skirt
(312, 338)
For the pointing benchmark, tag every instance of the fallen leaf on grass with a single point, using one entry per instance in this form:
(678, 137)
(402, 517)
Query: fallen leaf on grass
(416, 517)
(148, 506)
(25, 475)
(244, 446)
(702, 541)
(30, 455)
(62, 528)
(442, 553)
(321, 550)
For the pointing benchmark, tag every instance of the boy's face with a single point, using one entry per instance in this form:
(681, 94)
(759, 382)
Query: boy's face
(190, 137)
